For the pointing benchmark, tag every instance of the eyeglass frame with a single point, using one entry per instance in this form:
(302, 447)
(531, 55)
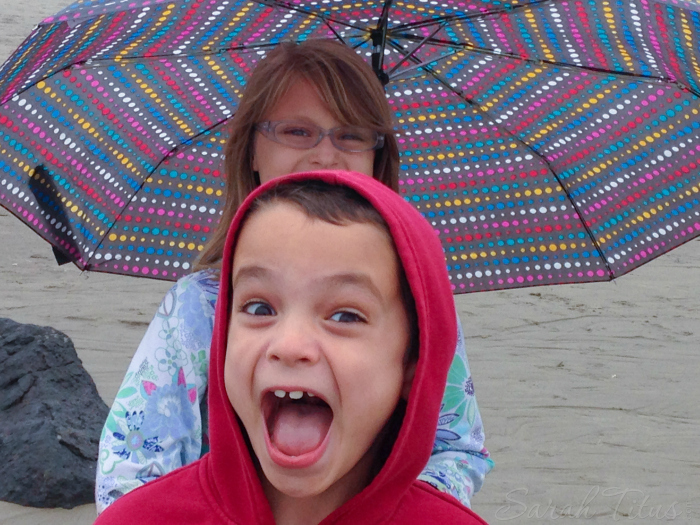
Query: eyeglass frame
(267, 129)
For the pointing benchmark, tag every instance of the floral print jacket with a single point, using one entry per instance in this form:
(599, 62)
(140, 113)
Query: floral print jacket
(158, 421)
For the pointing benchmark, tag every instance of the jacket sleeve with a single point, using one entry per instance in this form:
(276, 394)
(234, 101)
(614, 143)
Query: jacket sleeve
(155, 423)
(459, 461)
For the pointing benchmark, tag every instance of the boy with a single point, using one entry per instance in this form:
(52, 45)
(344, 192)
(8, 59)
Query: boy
(334, 332)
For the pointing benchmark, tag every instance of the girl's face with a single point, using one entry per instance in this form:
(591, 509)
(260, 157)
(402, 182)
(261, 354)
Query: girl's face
(302, 103)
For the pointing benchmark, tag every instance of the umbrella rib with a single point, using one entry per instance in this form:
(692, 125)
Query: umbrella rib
(541, 157)
(457, 18)
(422, 64)
(337, 35)
(291, 7)
(415, 49)
(96, 62)
(362, 42)
(417, 61)
(552, 63)
(42, 79)
(171, 153)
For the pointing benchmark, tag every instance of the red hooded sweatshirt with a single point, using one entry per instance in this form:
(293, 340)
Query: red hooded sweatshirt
(223, 486)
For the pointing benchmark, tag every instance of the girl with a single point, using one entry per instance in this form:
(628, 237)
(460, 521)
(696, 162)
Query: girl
(306, 107)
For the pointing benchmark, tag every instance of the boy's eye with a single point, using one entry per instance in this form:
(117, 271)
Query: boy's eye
(347, 317)
(258, 308)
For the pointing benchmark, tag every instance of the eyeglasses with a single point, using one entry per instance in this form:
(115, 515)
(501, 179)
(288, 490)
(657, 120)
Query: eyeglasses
(304, 135)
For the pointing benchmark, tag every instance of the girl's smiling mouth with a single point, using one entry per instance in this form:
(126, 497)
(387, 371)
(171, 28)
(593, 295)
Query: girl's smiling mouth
(297, 424)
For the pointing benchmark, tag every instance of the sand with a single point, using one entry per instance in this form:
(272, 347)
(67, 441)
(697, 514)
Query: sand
(589, 393)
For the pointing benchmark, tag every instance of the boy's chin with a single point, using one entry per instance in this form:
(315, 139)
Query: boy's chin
(320, 481)
(289, 486)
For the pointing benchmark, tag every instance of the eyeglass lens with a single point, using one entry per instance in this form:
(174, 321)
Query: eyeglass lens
(305, 135)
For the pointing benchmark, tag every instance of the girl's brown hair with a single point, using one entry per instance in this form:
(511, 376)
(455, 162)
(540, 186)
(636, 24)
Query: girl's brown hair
(345, 83)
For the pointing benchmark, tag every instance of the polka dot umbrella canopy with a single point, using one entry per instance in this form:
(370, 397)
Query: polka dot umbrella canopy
(549, 141)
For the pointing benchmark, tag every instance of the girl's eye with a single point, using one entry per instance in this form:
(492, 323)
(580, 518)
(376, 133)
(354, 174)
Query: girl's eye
(347, 317)
(297, 131)
(356, 135)
(258, 308)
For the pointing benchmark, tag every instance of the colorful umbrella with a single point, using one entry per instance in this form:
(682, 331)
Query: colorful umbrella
(549, 141)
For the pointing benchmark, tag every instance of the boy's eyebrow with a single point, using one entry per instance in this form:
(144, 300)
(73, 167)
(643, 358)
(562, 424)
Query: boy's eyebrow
(354, 279)
(250, 272)
(340, 279)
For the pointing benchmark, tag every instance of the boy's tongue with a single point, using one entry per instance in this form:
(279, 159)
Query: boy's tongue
(298, 428)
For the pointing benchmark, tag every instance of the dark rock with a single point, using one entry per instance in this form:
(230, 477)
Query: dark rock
(51, 417)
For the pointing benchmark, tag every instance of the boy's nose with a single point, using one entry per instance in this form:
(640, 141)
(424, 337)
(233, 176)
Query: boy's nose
(293, 345)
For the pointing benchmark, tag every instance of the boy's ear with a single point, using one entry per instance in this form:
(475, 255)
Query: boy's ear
(408, 374)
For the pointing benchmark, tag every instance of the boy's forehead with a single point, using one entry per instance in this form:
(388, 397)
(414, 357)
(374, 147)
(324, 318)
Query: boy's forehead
(272, 217)
(282, 229)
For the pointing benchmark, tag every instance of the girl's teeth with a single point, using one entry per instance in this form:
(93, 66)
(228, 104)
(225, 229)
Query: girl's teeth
(298, 394)
(310, 394)
(280, 393)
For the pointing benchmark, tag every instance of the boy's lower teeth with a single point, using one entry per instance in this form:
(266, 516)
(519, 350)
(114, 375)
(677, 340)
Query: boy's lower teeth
(299, 428)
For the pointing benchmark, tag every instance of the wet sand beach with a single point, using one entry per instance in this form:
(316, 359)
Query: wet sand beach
(589, 393)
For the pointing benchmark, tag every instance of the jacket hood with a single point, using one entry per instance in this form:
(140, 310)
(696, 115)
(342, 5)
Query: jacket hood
(233, 478)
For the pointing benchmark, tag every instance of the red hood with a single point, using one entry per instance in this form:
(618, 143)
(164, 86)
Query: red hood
(233, 476)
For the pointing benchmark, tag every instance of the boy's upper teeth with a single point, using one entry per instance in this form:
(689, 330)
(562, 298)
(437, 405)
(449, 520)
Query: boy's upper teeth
(295, 394)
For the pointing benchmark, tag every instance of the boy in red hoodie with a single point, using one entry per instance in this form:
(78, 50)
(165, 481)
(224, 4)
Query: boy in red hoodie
(334, 333)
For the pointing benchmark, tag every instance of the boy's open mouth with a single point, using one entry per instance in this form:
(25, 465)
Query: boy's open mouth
(297, 421)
